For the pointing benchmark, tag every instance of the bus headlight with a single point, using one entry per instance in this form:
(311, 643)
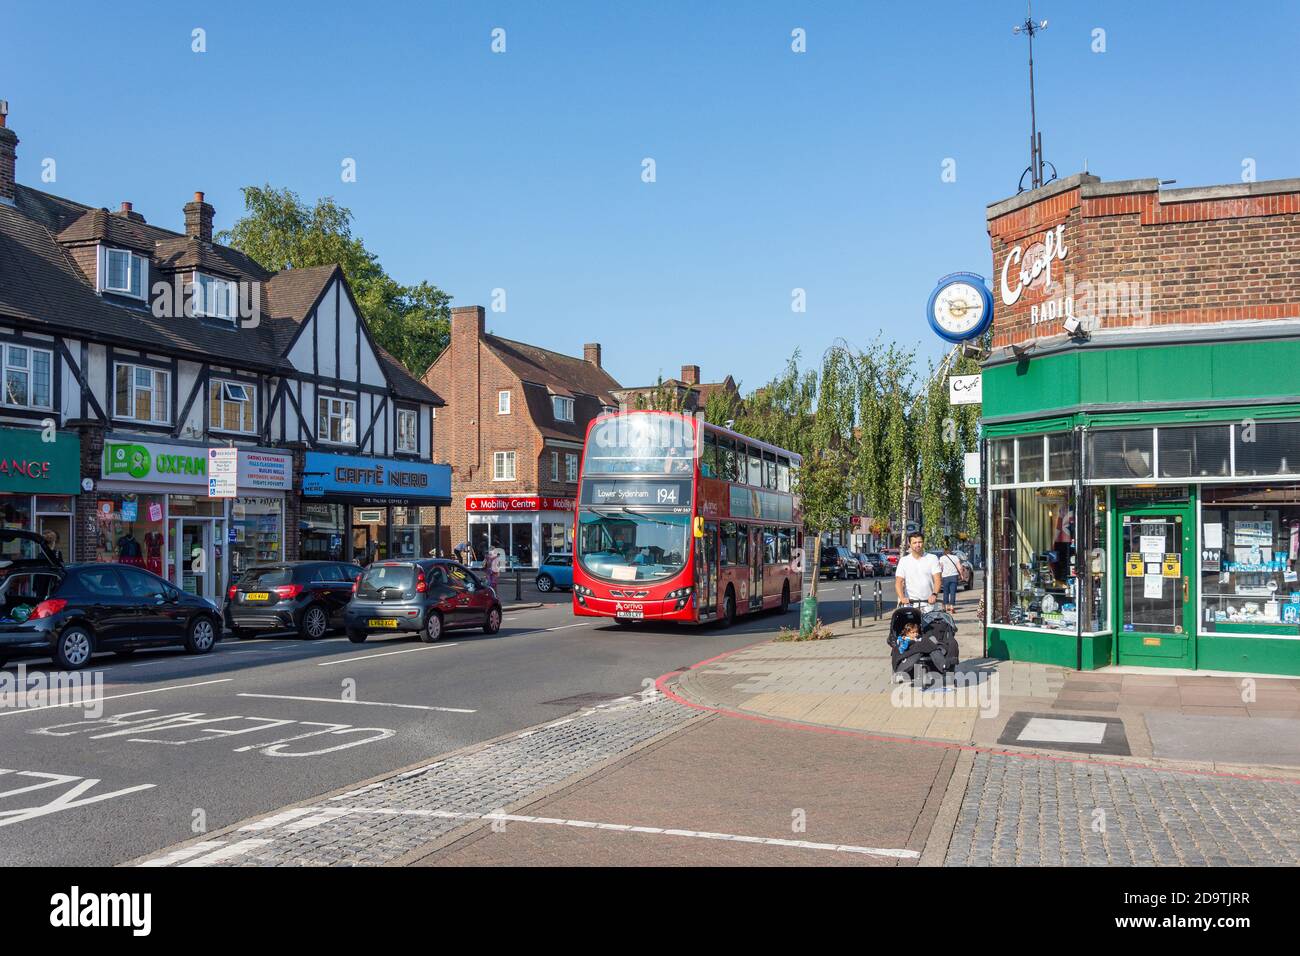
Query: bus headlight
(681, 595)
(582, 589)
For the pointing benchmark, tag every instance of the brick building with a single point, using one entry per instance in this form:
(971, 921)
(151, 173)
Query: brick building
(1142, 414)
(513, 431)
(689, 393)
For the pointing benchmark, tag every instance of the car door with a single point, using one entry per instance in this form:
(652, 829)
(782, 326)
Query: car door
(341, 578)
(101, 593)
(456, 606)
(152, 618)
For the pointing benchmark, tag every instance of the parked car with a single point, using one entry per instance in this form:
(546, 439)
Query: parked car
(891, 555)
(556, 572)
(868, 566)
(966, 565)
(838, 561)
(425, 598)
(303, 596)
(72, 611)
(880, 563)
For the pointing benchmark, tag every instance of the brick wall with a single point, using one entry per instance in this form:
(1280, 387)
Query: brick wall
(92, 458)
(1141, 257)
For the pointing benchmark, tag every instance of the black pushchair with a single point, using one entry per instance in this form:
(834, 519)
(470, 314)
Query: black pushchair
(935, 650)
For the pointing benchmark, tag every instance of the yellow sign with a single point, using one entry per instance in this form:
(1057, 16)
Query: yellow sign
(1133, 567)
(1172, 566)
(1151, 641)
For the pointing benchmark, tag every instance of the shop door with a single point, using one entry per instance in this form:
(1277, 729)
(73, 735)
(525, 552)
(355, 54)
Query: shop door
(192, 555)
(1155, 601)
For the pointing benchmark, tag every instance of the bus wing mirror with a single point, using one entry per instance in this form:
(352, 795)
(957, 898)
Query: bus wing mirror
(699, 527)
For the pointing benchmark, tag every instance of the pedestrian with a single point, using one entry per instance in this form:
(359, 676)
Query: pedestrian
(917, 580)
(491, 566)
(949, 574)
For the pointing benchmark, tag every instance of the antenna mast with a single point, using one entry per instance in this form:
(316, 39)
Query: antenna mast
(1036, 161)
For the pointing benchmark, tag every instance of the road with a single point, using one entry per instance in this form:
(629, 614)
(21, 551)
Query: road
(186, 745)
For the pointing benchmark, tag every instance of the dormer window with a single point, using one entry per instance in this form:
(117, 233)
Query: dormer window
(213, 298)
(562, 408)
(122, 272)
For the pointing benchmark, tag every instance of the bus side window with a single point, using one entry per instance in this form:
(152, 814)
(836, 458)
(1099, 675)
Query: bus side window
(709, 460)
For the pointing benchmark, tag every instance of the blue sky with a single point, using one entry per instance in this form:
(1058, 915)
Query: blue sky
(775, 170)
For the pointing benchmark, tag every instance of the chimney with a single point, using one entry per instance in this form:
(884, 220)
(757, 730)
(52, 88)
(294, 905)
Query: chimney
(128, 213)
(591, 353)
(691, 374)
(8, 156)
(198, 219)
(467, 403)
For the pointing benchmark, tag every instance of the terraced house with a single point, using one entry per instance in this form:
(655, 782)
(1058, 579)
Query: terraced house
(130, 352)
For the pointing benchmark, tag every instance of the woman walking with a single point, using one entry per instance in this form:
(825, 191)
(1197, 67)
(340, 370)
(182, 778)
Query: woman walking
(949, 575)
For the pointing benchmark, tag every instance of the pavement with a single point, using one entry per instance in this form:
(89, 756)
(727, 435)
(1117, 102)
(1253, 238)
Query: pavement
(571, 742)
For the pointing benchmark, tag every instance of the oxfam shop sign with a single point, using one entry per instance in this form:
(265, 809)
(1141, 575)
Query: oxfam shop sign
(167, 464)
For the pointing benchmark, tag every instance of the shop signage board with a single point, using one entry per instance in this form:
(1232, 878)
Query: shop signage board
(965, 389)
(517, 503)
(971, 469)
(376, 480)
(223, 472)
(165, 464)
(30, 465)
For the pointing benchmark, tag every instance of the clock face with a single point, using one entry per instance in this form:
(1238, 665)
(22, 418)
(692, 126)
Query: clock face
(959, 307)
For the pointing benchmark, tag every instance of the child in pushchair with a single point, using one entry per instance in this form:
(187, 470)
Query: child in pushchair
(921, 642)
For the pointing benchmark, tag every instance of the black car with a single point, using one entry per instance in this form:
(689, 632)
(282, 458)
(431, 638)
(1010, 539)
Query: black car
(71, 611)
(838, 561)
(426, 598)
(303, 596)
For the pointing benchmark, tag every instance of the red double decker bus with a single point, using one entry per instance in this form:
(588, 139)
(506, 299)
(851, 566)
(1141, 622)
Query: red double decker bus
(681, 520)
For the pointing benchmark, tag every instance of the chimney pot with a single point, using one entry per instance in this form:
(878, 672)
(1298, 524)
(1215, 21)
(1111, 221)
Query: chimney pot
(198, 196)
(126, 206)
(591, 352)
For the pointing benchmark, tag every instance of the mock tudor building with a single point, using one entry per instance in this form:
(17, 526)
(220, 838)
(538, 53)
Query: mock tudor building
(1142, 416)
(131, 352)
(513, 433)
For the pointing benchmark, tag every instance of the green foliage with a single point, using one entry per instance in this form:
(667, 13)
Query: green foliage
(662, 397)
(723, 406)
(819, 632)
(278, 230)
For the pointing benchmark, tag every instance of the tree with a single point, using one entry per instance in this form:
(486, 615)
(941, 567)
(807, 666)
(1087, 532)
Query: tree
(723, 406)
(279, 231)
(661, 398)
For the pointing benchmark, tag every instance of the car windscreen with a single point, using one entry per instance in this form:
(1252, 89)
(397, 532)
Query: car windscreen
(378, 577)
(265, 577)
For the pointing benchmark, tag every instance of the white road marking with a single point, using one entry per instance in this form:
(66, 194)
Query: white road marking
(137, 693)
(563, 626)
(629, 828)
(276, 819)
(365, 657)
(366, 703)
(184, 853)
(227, 853)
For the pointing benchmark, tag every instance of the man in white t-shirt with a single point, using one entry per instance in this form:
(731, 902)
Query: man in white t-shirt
(918, 575)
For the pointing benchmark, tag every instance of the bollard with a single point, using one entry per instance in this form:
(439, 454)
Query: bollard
(857, 605)
(878, 598)
(519, 584)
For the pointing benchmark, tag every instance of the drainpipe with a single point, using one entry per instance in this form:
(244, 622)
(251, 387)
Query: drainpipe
(1079, 551)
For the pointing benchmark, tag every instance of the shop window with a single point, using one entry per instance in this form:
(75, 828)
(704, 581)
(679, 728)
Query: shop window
(130, 529)
(323, 530)
(1267, 448)
(257, 525)
(15, 514)
(1035, 538)
(408, 430)
(1029, 451)
(142, 394)
(556, 535)
(232, 406)
(1002, 452)
(1060, 457)
(1200, 452)
(1124, 454)
(27, 376)
(336, 420)
(1250, 543)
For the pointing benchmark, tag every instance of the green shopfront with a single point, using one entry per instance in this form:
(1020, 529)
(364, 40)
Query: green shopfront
(1142, 483)
(39, 480)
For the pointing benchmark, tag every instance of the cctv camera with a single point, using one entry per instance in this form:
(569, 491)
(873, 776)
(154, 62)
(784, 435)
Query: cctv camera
(1072, 325)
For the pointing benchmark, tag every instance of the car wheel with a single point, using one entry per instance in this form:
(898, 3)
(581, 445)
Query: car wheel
(492, 623)
(315, 622)
(785, 598)
(729, 608)
(357, 637)
(201, 637)
(544, 583)
(432, 629)
(73, 648)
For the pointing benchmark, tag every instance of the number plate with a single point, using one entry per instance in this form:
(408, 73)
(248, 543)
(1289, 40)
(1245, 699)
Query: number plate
(634, 615)
(382, 622)
(257, 596)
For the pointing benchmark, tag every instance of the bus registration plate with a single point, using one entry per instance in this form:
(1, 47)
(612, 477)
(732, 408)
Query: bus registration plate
(630, 611)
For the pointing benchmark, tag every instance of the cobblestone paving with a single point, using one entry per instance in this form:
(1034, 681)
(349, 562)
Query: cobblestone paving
(381, 822)
(1028, 812)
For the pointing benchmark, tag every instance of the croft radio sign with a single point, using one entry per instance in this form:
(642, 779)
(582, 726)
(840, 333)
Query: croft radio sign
(1029, 269)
